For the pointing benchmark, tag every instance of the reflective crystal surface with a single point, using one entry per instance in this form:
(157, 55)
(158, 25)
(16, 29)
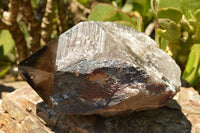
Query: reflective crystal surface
(102, 68)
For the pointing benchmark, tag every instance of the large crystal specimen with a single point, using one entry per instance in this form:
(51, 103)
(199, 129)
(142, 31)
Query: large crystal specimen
(102, 68)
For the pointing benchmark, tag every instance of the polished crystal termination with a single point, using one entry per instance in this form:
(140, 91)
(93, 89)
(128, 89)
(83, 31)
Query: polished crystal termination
(102, 68)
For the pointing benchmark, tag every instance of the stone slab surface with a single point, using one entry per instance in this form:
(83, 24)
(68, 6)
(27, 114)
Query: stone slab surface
(24, 111)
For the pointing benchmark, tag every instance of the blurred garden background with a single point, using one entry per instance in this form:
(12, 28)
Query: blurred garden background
(27, 25)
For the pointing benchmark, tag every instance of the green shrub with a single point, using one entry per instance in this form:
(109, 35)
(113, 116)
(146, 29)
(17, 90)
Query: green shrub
(177, 28)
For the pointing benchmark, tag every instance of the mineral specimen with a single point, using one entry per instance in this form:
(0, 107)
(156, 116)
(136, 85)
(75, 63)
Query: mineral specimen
(102, 68)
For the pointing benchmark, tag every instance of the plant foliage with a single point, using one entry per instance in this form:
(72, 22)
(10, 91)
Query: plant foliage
(6, 47)
(105, 12)
(179, 24)
(177, 27)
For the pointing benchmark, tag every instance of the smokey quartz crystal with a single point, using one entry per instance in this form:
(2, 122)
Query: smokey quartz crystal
(102, 68)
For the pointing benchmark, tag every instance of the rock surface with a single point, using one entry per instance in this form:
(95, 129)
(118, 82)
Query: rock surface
(102, 68)
(6, 88)
(24, 111)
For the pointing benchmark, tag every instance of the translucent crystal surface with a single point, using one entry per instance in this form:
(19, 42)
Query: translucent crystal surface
(104, 68)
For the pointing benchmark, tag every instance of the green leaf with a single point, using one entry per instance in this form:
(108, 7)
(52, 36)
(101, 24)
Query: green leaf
(171, 13)
(6, 42)
(101, 11)
(11, 57)
(158, 4)
(197, 14)
(192, 70)
(196, 37)
(163, 44)
(118, 3)
(157, 36)
(118, 15)
(136, 17)
(127, 23)
(4, 68)
(186, 26)
(170, 30)
(127, 7)
(105, 12)
(189, 7)
(142, 6)
(83, 2)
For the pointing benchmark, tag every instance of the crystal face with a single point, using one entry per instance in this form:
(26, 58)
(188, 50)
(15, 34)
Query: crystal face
(103, 68)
